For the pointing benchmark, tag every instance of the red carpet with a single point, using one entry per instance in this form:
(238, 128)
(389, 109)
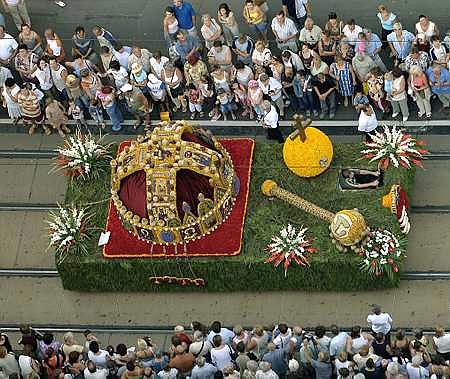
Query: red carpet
(226, 240)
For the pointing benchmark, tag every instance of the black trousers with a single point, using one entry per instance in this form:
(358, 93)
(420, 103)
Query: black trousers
(275, 133)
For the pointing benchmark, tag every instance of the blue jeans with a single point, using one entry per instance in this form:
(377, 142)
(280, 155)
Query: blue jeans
(115, 115)
(258, 28)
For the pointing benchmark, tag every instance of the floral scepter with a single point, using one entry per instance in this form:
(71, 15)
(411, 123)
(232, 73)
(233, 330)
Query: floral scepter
(290, 245)
(396, 147)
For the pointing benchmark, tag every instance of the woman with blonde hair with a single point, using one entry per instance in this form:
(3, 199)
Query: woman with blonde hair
(261, 56)
(318, 66)
(70, 345)
(418, 84)
(387, 20)
(258, 341)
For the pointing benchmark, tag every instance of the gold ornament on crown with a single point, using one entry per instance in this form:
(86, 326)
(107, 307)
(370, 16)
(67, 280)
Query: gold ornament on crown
(347, 227)
(161, 154)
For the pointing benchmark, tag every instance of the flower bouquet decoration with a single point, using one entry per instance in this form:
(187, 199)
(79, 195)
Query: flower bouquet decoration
(83, 156)
(290, 245)
(382, 253)
(393, 146)
(69, 232)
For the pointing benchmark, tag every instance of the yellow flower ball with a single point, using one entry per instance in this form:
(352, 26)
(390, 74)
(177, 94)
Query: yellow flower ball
(311, 157)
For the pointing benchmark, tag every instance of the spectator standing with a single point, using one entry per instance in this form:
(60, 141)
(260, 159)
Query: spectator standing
(83, 46)
(344, 75)
(183, 361)
(31, 39)
(186, 45)
(439, 79)
(441, 343)
(418, 82)
(200, 347)
(140, 56)
(10, 91)
(157, 63)
(334, 26)
(122, 54)
(387, 20)
(374, 47)
(8, 363)
(210, 30)
(270, 123)
(380, 322)
(297, 10)
(311, 33)
(203, 369)
(31, 109)
(417, 58)
(185, 14)
(256, 19)
(136, 104)
(227, 20)
(278, 358)
(285, 32)
(398, 97)
(221, 353)
(54, 45)
(25, 62)
(400, 42)
(261, 55)
(92, 372)
(242, 46)
(255, 95)
(18, 11)
(415, 369)
(109, 102)
(322, 368)
(265, 371)
(325, 89)
(8, 47)
(427, 27)
(351, 31)
(104, 37)
(170, 26)
(272, 89)
(173, 78)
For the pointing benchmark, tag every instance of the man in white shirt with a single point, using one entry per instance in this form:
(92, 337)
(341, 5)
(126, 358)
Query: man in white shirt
(272, 87)
(338, 342)
(203, 370)
(8, 47)
(441, 343)
(282, 339)
(270, 121)
(216, 329)
(285, 32)
(311, 33)
(92, 372)
(297, 10)
(141, 56)
(122, 54)
(351, 31)
(380, 322)
(157, 63)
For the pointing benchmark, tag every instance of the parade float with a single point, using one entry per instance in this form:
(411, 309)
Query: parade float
(181, 210)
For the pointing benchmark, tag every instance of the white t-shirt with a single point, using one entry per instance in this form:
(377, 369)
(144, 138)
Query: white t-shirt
(7, 45)
(273, 85)
(416, 372)
(221, 358)
(285, 30)
(351, 35)
(271, 118)
(442, 343)
(100, 373)
(45, 78)
(98, 359)
(226, 334)
(311, 36)
(171, 374)
(282, 341)
(300, 8)
(380, 323)
(367, 124)
(25, 365)
(157, 67)
(338, 343)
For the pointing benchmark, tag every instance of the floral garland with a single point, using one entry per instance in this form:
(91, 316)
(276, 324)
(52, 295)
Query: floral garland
(199, 282)
(68, 232)
(396, 147)
(382, 253)
(82, 156)
(290, 245)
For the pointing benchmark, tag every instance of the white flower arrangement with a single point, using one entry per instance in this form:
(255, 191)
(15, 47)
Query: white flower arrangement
(82, 155)
(382, 253)
(393, 145)
(290, 245)
(67, 228)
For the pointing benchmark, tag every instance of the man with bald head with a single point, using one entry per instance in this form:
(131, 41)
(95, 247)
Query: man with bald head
(182, 361)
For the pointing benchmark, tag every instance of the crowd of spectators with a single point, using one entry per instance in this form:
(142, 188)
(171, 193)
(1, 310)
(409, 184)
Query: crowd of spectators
(272, 352)
(211, 68)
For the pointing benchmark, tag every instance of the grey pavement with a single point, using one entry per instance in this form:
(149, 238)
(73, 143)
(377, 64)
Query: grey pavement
(43, 301)
(431, 184)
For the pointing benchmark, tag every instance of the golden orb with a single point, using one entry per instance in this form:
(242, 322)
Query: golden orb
(348, 227)
(310, 157)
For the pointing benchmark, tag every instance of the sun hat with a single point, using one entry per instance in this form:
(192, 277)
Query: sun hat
(136, 68)
(252, 83)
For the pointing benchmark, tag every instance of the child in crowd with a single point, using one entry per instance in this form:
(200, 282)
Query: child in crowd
(361, 43)
(224, 99)
(388, 83)
(360, 100)
(96, 112)
(77, 114)
(304, 91)
(241, 99)
(195, 101)
(56, 116)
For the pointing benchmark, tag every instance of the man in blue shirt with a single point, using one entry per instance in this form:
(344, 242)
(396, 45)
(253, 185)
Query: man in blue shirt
(400, 42)
(439, 79)
(185, 14)
(374, 46)
(186, 45)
